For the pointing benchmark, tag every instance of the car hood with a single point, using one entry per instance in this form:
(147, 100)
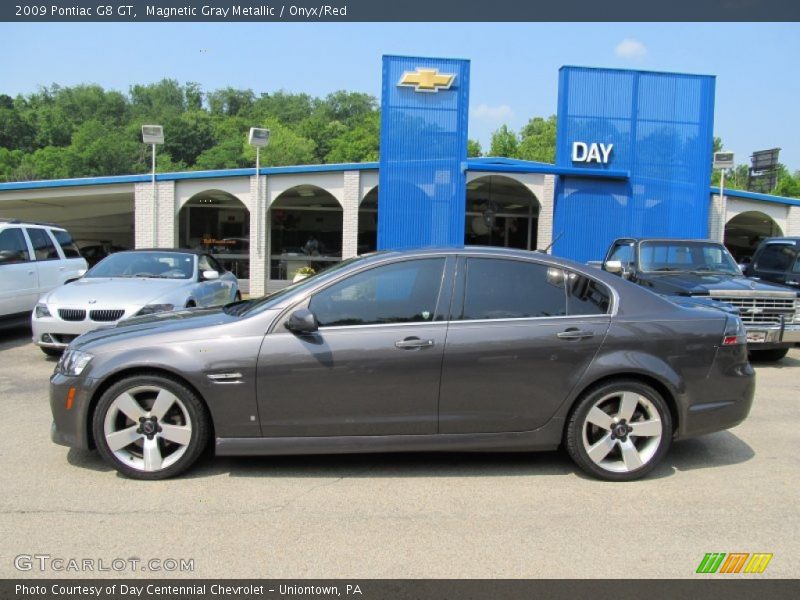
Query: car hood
(106, 291)
(689, 284)
(159, 323)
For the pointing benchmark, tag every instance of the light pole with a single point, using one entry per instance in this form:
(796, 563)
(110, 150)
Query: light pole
(154, 134)
(258, 138)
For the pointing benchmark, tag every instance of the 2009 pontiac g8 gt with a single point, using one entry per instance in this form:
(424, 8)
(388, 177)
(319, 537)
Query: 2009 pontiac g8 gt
(451, 349)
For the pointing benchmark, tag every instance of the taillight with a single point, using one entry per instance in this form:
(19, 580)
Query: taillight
(735, 332)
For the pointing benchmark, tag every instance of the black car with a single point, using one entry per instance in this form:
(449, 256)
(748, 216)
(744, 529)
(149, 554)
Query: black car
(777, 260)
(703, 271)
(451, 349)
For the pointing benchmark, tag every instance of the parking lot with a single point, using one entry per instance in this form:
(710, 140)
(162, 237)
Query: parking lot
(416, 515)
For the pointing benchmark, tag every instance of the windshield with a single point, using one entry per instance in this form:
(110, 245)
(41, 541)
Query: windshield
(694, 257)
(251, 307)
(159, 265)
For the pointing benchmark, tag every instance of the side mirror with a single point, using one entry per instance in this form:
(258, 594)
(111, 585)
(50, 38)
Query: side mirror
(613, 266)
(210, 275)
(302, 321)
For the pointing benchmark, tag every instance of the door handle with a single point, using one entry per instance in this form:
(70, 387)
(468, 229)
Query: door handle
(574, 334)
(413, 344)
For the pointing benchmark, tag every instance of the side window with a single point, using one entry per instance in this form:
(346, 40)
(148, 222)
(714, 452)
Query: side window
(404, 292)
(796, 267)
(13, 247)
(43, 247)
(586, 296)
(775, 257)
(67, 245)
(622, 253)
(512, 289)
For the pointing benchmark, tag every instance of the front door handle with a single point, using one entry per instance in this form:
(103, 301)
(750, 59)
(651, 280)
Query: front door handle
(575, 334)
(413, 343)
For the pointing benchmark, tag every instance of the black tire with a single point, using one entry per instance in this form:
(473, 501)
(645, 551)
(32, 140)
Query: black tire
(773, 355)
(187, 409)
(54, 352)
(191, 304)
(647, 449)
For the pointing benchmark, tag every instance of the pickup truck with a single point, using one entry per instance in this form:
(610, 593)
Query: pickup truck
(704, 270)
(777, 260)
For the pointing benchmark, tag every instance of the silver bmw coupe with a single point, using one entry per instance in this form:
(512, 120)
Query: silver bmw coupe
(127, 284)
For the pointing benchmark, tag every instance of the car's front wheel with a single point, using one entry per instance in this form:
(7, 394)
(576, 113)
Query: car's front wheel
(54, 352)
(619, 431)
(150, 427)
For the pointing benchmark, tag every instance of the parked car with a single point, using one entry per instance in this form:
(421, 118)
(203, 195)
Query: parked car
(777, 260)
(94, 251)
(453, 349)
(34, 259)
(705, 271)
(127, 284)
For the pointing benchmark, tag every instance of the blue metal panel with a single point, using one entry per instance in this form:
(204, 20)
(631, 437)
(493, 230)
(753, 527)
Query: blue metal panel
(422, 186)
(661, 126)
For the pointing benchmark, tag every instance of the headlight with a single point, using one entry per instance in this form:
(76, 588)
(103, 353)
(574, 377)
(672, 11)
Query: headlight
(73, 362)
(155, 308)
(41, 310)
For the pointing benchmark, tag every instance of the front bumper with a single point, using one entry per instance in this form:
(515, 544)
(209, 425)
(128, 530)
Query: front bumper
(52, 332)
(772, 335)
(71, 422)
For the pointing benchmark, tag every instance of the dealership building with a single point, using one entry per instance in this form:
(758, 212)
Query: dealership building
(633, 157)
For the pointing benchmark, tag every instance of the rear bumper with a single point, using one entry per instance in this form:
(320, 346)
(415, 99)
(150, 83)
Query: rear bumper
(723, 400)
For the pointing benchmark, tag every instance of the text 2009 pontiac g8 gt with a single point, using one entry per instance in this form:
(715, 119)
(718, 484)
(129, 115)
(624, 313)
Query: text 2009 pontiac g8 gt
(453, 349)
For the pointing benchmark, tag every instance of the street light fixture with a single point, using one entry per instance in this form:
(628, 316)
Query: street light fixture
(258, 138)
(153, 135)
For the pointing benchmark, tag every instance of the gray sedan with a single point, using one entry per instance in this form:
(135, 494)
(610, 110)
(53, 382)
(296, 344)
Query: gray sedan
(127, 284)
(452, 349)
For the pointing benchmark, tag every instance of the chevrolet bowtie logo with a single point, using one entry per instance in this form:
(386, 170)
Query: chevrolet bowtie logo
(427, 80)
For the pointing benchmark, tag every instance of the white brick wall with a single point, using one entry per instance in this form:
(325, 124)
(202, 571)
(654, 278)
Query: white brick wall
(793, 221)
(259, 233)
(351, 200)
(544, 234)
(155, 226)
(717, 217)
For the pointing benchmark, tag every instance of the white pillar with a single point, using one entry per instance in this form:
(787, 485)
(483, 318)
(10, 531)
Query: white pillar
(717, 217)
(154, 226)
(351, 200)
(259, 235)
(544, 233)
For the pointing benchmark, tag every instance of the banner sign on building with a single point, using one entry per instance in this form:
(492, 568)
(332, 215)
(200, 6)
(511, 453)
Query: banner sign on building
(422, 188)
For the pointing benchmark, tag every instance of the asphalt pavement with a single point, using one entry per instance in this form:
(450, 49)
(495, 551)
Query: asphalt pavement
(396, 515)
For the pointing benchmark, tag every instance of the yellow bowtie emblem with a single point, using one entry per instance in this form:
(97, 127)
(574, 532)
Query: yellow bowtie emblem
(427, 80)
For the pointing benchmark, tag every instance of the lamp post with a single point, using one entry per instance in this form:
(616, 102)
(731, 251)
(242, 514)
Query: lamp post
(154, 134)
(258, 138)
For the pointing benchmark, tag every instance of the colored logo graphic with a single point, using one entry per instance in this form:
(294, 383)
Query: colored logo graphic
(427, 80)
(734, 562)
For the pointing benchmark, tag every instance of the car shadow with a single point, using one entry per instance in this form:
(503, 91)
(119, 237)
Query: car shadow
(15, 336)
(710, 451)
(787, 362)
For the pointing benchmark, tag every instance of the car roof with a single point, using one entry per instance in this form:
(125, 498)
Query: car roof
(782, 240)
(36, 223)
(676, 240)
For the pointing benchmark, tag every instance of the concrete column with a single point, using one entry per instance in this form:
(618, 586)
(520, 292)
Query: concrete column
(352, 198)
(154, 219)
(793, 221)
(259, 234)
(544, 234)
(717, 217)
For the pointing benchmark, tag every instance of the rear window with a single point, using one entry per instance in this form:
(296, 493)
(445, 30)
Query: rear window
(775, 257)
(13, 247)
(65, 241)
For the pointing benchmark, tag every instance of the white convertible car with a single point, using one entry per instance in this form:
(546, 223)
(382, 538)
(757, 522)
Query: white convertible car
(128, 284)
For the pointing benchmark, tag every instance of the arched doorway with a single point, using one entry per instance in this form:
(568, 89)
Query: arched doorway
(305, 231)
(219, 223)
(744, 232)
(500, 212)
(368, 222)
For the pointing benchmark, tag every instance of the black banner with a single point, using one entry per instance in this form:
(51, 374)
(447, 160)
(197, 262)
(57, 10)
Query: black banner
(404, 10)
(744, 587)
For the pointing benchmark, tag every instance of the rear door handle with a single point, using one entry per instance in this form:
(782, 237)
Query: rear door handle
(413, 344)
(575, 334)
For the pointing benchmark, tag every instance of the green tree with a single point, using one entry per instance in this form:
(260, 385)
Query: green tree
(539, 140)
(359, 144)
(474, 148)
(504, 143)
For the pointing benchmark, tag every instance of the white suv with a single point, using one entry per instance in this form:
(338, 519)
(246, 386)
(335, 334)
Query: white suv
(34, 259)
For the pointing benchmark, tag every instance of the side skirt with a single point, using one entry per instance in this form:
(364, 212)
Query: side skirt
(545, 438)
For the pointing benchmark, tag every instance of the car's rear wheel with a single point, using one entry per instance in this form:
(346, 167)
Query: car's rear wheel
(619, 431)
(150, 427)
(773, 355)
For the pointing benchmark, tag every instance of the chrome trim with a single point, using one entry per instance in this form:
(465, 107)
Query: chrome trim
(224, 377)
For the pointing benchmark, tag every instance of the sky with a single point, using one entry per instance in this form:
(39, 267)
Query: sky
(514, 66)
